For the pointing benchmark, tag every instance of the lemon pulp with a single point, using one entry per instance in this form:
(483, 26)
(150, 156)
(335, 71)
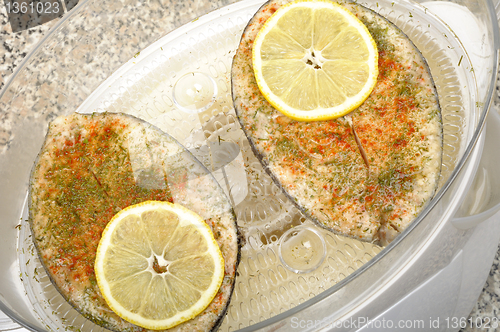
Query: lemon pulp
(314, 60)
(158, 264)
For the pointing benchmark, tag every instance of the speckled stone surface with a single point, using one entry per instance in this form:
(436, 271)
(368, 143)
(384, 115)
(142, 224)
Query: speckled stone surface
(487, 307)
(15, 45)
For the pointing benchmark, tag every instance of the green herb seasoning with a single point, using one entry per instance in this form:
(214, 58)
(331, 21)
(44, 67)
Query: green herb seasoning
(318, 164)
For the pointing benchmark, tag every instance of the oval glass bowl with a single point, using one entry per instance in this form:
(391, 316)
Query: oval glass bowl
(181, 84)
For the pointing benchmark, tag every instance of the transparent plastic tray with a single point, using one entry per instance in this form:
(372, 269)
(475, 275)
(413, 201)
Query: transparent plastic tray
(182, 85)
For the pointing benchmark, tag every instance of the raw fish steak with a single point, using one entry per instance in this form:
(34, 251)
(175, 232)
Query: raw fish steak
(319, 164)
(92, 166)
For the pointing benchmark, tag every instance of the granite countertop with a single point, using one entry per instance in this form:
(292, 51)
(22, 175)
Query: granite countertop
(19, 35)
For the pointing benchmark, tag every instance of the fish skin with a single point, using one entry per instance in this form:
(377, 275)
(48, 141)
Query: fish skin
(87, 171)
(321, 169)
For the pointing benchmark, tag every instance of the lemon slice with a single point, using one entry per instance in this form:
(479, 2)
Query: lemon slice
(314, 60)
(158, 264)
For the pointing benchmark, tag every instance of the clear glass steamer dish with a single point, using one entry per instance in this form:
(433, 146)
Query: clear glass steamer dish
(168, 62)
